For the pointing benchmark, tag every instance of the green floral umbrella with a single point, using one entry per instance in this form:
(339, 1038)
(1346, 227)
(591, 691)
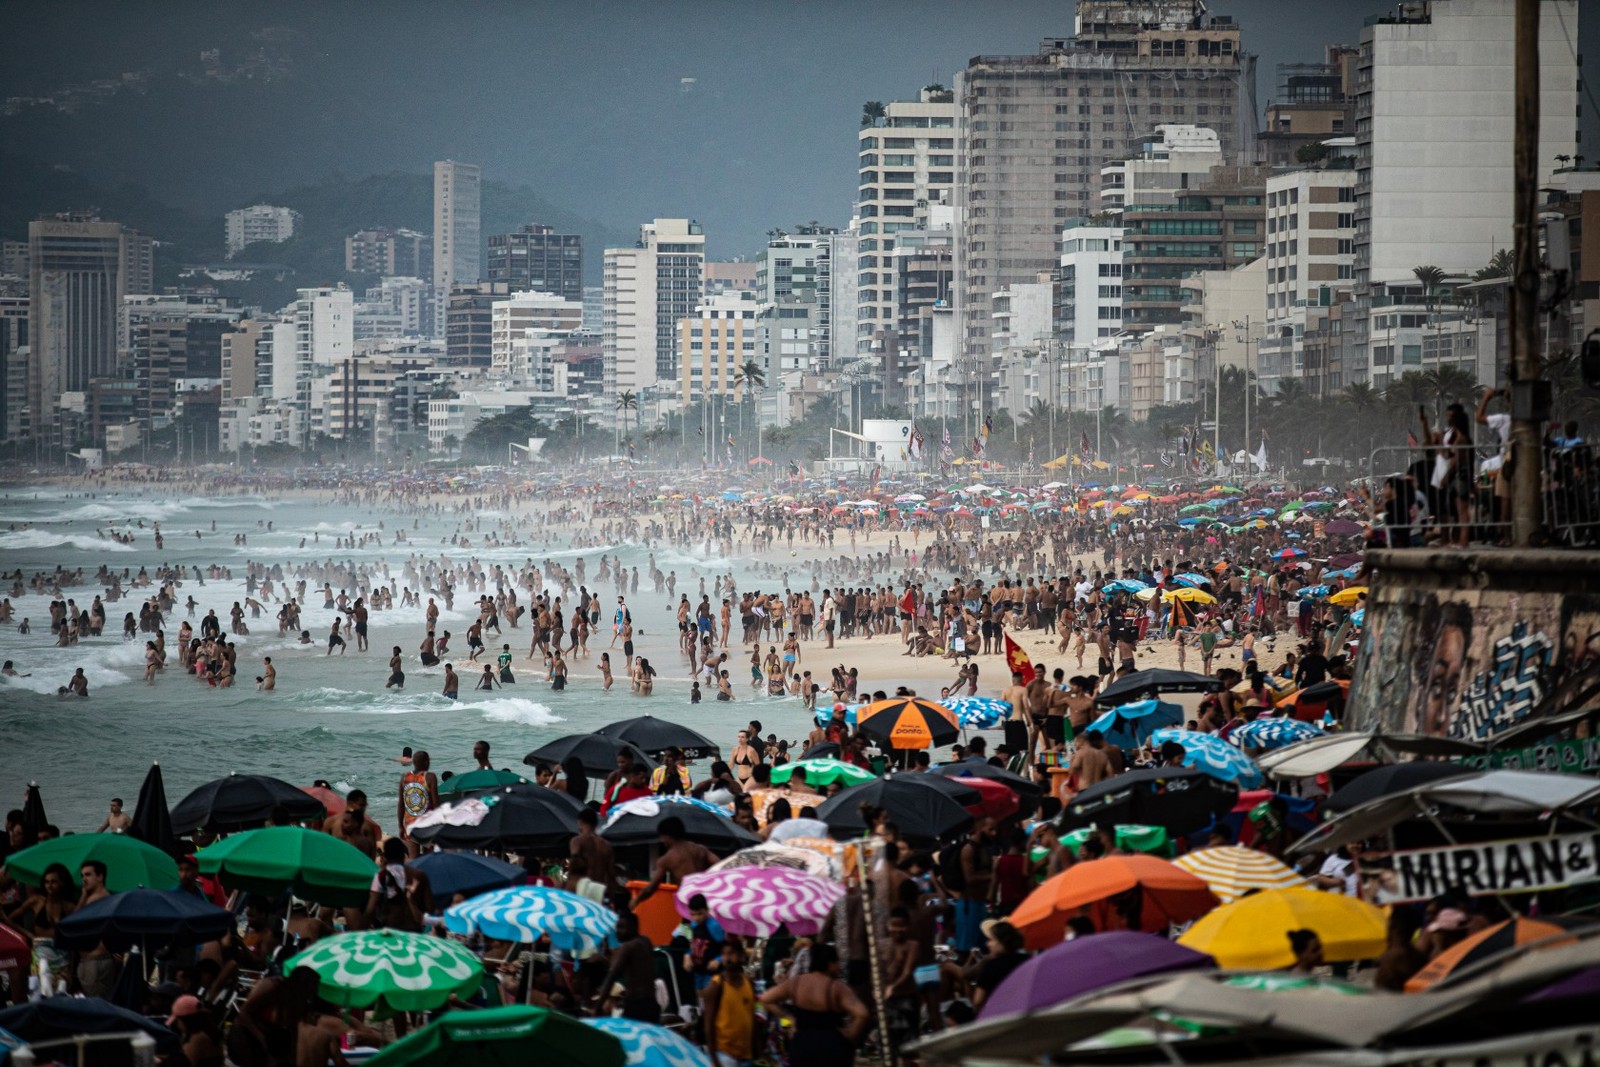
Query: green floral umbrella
(317, 866)
(402, 971)
(514, 1036)
(485, 778)
(822, 771)
(130, 863)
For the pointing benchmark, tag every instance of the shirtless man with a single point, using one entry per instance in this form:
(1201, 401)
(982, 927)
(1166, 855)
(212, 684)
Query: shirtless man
(118, 821)
(1020, 730)
(452, 683)
(355, 827)
(1090, 764)
(96, 970)
(269, 675)
(679, 859)
(397, 674)
(599, 860)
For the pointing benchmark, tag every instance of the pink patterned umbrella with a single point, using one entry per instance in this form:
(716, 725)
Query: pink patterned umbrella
(755, 901)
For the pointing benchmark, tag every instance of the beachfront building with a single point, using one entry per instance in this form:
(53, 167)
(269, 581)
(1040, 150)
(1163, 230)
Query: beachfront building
(527, 332)
(259, 223)
(401, 253)
(537, 258)
(648, 288)
(457, 204)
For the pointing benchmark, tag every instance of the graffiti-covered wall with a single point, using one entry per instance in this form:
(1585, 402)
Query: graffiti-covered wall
(1466, 645)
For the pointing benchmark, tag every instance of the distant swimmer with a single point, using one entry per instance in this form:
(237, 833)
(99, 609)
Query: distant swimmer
(77, 686)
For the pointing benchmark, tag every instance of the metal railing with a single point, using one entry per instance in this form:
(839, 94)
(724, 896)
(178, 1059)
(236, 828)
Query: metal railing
(1439, 495)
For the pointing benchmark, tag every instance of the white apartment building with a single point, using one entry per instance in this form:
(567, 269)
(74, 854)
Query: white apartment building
(648, 288)
(410, 301)
(455, 417)
(1435, 127)
(457, 238)
(716, 343)
(259, 421)
(1091, 282)
(1309, 261)
(1180, 156)
(546, 315)
(259, 223)
(906, 162)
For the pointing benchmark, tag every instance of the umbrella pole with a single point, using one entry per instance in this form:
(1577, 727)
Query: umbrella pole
(879, 998)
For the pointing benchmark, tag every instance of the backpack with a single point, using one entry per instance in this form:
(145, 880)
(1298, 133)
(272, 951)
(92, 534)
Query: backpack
(950, 870)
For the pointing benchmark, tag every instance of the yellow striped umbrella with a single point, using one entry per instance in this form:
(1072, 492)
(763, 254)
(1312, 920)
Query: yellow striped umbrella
(1232, 871)
(1348, 597)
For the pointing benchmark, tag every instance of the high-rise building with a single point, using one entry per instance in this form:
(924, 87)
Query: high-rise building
(1313, 103)
(1435, 129)
(1175, 159)
(240, 347)
(648, 288)
(469, 323)
(536, 258)
(396, 253)
(1091, 283)
(396, 307)
(714, 346)
(548, 315)
(81, 268)
(169, 345)
(13, 365)
(457, 203)
(1034, 131)
(263, 223)
(907, 161)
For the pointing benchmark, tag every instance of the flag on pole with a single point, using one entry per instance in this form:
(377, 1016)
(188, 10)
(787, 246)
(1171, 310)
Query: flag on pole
(1017, 659)
(1180, 616)
(1260, 458)
(988, 426)
(977, 448)
(916, 443)
(1083, 443)
(1258, 605)
(877, 469)
(1030, 452)
(946, 453)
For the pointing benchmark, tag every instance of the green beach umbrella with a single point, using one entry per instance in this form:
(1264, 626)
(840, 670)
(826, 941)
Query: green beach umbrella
(822, 771)
(402, 971)
(513, 1036)
(484, 778)
(130, 863)
(317, 866)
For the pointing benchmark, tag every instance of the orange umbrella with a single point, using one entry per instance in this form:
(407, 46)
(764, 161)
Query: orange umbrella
(908, 722)
(334, 802)
(1489, 943)
(1163, 893)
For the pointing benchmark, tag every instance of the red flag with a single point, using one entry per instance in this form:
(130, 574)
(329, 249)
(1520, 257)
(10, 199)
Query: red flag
(1018, 660)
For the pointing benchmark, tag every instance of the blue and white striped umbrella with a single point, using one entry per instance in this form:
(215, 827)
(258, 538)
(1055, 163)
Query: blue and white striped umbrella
(824, 715)
(1273, 733)
(1315, 592)
(647, 806)
(1211, 754)
(1358, 617)
(979, 713)
(526, 913)
(648, 1045)
(1124, 585)
(1193, 581)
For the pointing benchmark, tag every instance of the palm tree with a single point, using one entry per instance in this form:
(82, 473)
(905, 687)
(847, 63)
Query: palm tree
(872, 112)
(1430, 278)
(1500, 265)
(628, 401)
(749, 375)
(1449, 383)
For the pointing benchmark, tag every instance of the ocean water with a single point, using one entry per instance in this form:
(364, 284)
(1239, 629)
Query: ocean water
(330, 717)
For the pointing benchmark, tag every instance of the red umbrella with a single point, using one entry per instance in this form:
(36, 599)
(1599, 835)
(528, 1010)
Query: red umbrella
(330, 800)
(997, 802)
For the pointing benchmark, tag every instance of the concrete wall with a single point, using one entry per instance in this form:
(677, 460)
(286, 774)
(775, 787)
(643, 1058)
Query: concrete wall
(1468, 644)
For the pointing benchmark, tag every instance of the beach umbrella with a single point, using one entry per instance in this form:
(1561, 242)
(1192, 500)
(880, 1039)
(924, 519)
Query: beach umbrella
(332, 802)
(979, 713)
(908, 722)
(467, 873)
(65, 1017)
(597, 754)
(1358, 617)
(1069, 970)
(801, 826)
(995, 800)
(1502, 937)
(152, 821)
(655, 736)
(638, 822)
(130, 863)
(755, 901)
(822, 772)
(1180, 799)
(481, 779)
(824, 715)
(1166, 895)
(525, 913)
(144, 917)
(822, 750)
(1213, 755)
(34, 819)
(1390, 780)
(390, 969)
(1128, 837)
(1017, 783)
(1342, 528)
(1147, 683)
(1273, 733)
(1313, 699)
(922, 814)
(241, 802)
(1232, 871)
(1193, 581)
(1349, 596)
(1252, 933)
(317, 866)
(780, 855)
(1315, 592)
(649, 1045)
(1127, 726)
(1124, 585)
(513, 1036)
(1289, 553)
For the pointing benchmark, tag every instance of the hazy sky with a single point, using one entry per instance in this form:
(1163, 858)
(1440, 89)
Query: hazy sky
(586, 102)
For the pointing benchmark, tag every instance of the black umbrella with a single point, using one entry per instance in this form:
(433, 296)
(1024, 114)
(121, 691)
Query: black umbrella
(133, 987)
(1390, 779)
(467, 873)
(823, 750)
(1181, 799)
(152, 821)
(923, 815)
(525, 817)
(67, 1017)
(242, 802)
(33, 816)
(1027, 789)
(597, 754)
(655, 736)
(638, 822)
(144, 917)
(1142, 684)
(960, 792)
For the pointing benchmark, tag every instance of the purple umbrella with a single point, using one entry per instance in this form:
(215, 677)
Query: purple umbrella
(1081, 966)
(1343, 528)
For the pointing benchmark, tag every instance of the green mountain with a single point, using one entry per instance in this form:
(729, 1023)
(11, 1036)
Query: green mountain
(330, 210)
